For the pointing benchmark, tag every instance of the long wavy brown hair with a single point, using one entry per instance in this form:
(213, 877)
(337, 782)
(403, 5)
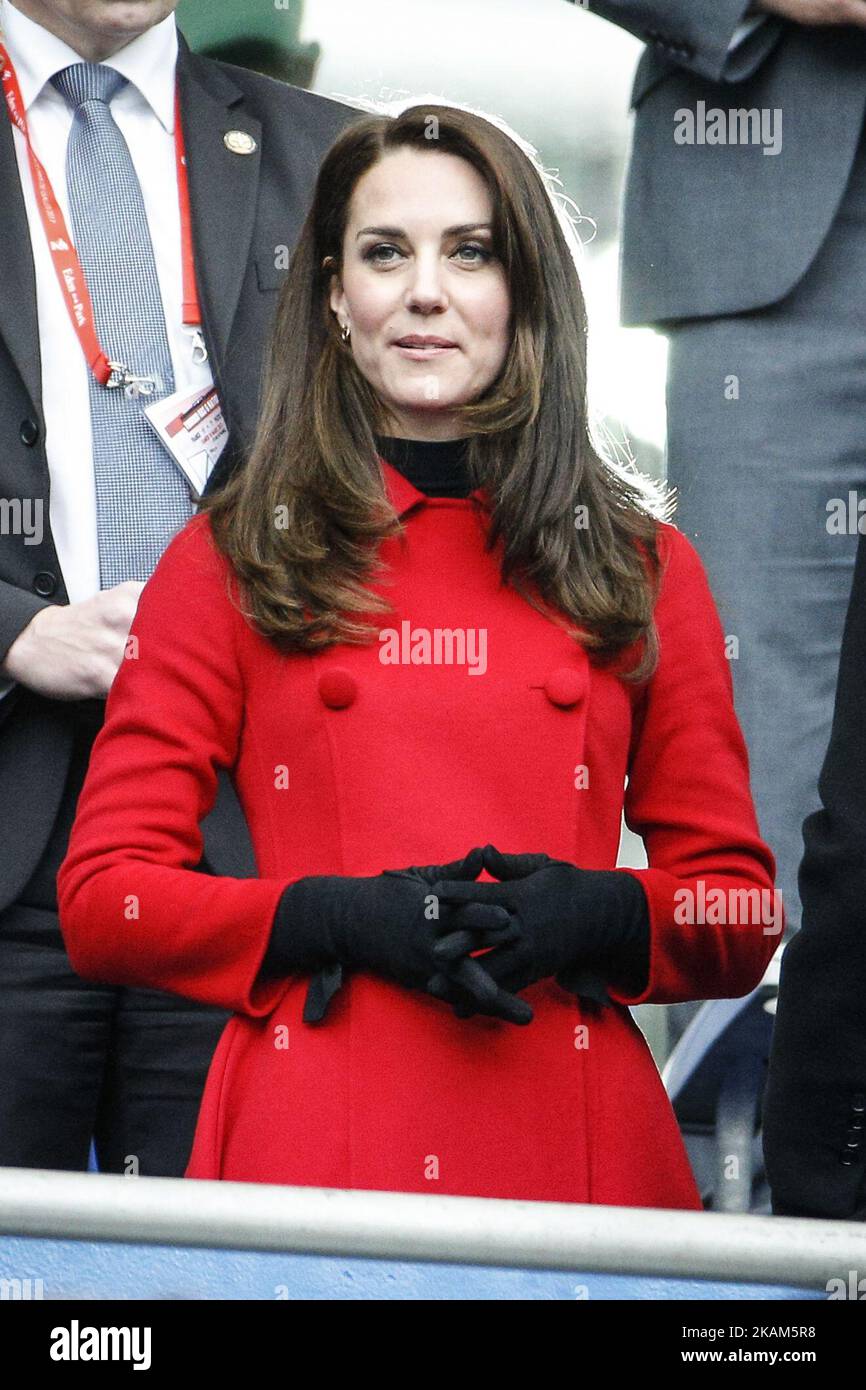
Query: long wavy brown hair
(303, 519)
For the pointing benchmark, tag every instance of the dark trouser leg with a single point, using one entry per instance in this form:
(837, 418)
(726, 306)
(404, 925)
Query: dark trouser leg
(54, 1027)
(54, 1031)
(82, 1060)
(157, 1066)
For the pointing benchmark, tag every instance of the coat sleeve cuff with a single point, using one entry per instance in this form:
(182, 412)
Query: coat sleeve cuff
(696, 950)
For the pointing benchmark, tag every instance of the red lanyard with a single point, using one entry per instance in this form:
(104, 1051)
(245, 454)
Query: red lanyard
(70, 272)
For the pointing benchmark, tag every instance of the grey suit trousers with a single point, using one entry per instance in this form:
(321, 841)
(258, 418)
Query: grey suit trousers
(766, 430)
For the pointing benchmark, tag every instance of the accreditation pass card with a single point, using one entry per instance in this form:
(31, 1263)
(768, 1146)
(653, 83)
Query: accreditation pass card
(192, 428)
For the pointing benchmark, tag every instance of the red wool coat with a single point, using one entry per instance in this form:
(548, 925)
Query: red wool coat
(348, 764)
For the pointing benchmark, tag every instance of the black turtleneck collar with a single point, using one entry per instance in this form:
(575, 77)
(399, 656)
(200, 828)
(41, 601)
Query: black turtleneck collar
(437, 467)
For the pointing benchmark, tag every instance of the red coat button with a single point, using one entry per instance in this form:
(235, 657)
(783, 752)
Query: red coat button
(337, 688)
(565, 686)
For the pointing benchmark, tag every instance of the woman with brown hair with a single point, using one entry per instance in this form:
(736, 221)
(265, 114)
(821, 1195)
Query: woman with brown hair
(428, 615)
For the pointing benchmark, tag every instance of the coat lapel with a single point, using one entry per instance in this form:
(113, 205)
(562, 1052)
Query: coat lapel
(223, 189)
(19, 327)
(223, 194)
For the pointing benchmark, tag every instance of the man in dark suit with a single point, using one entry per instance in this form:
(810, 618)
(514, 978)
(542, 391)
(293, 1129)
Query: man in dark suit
(744, 241)
(815, 1100)
(96, 83)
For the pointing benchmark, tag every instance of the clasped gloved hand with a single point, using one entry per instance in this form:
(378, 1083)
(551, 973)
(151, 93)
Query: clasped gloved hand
(389, 924)
(579, 925)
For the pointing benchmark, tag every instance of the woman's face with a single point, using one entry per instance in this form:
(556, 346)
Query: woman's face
(418, 265)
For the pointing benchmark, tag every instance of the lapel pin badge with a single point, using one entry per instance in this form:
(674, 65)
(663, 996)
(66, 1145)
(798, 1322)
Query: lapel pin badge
(239, 142)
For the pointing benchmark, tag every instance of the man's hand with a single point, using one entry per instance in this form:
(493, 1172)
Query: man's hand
(73, 651)
(815, 11)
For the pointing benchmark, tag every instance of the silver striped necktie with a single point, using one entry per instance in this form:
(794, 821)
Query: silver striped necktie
(142, 498)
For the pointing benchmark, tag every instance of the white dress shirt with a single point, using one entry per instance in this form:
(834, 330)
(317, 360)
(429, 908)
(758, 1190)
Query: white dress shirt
(144, 111)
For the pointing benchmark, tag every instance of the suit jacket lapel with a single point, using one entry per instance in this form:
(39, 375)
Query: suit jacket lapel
(223, 190)
(19, 326)
(223, 194)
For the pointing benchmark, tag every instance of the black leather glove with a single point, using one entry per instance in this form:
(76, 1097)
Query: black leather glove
(475, 930)
(387, 924)
(579, 925)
